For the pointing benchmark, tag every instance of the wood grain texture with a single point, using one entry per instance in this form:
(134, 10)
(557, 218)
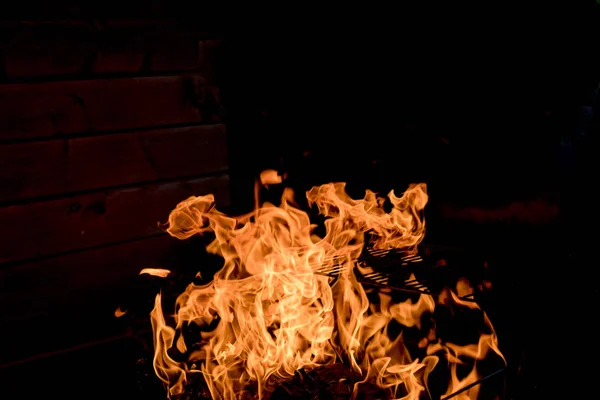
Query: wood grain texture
(119, 50)
(46, 49)
(211, 59)
(72, 107)
(206, 15)
(99, 218)
(63, 166)
(68, 300)
(71, 299)
(77, 271)
(175, 52)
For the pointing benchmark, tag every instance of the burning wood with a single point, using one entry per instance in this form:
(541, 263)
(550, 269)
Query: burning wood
(270, 318)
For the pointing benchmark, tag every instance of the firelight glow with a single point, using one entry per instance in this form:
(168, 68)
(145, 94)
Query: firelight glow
(273, 310)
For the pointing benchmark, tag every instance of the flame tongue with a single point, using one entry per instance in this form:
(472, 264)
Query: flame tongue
(271, 311)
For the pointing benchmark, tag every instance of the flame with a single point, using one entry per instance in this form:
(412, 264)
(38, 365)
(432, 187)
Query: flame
(477, 352)
(119, 313)
(270, 177)
(273, 310)
(162, 273)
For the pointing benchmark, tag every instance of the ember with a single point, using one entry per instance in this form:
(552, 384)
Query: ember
(294, 314)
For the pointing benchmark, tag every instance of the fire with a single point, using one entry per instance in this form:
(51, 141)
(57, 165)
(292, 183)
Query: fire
(163, 273)
(274, 309)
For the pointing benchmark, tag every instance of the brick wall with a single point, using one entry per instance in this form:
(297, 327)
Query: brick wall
(105, 125)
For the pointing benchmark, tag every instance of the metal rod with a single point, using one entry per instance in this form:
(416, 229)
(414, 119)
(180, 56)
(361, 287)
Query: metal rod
(334, 269)
(399, 289)
(410, 290)
(479, 382)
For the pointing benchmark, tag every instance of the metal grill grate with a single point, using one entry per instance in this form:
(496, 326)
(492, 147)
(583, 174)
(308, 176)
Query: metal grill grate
(408, 272)
(399, 270)
(403, 271)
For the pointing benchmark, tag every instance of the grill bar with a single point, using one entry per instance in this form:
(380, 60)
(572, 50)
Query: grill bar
(392, 269)
(398, 270)
(478, 382)
(409, 273)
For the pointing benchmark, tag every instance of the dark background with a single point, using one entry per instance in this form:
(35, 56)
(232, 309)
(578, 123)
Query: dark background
(112, 112)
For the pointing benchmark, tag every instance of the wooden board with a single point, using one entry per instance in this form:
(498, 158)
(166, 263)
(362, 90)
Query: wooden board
(78, 271)
(98, 218)
(70, 299)
(63, 166)
(42, 49)
(39, 110)
(106, 370)
(46, 48)
(205, 15)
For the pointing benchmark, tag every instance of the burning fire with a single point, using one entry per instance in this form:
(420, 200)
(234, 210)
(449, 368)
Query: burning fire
(274, 309)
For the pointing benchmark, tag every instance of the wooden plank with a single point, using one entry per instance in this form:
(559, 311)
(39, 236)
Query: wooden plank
(72, 107)
(88, 373)
(58, 324)
(201, 12)
(42, 49)
(49, 49)
(211, 59)
(175, 53)
(56, 226)
(68, 300)
(63, 166)
(57, 278)
(80, 10)
(71, 299)
(131, 47)
(120, 50)
(186, 52)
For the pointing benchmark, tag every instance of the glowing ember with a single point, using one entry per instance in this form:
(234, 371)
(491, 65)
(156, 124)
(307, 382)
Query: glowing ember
(272, 310)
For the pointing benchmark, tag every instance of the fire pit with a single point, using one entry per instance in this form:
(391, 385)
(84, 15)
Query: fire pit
(355, 308)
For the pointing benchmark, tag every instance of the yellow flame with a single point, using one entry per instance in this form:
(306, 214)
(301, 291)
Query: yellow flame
(271, 310)
(270, 177)
(162, 273)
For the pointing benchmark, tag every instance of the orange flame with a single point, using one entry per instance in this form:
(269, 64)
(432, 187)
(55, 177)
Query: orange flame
(477, 352)
(162, 273)
(119, 313)
(272, 310)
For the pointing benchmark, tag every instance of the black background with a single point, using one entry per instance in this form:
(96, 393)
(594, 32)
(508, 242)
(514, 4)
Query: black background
(477, 100)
